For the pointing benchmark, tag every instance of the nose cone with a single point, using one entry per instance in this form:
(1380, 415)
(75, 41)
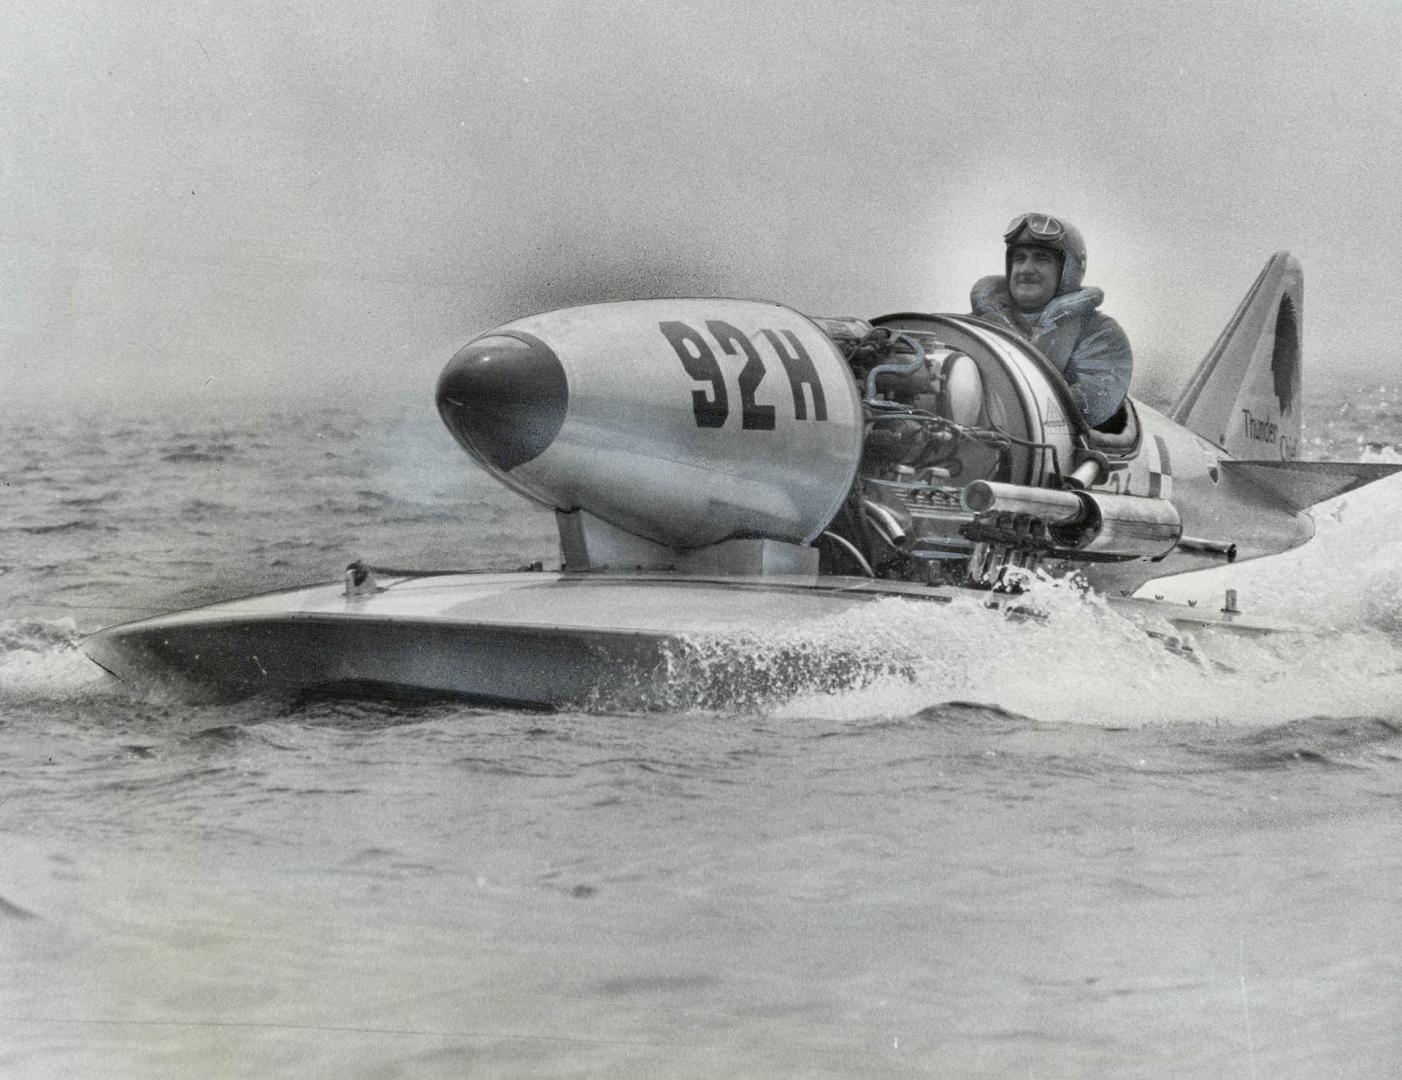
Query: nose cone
(504, 398)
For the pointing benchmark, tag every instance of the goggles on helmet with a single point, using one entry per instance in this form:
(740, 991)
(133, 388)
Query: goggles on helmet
(1042, 227)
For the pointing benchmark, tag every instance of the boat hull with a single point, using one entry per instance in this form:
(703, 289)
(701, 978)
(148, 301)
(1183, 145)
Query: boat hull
(529, 640)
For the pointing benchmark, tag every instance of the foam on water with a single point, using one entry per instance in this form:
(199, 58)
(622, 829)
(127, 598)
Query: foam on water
(40, 661)
(1348, 577)
(1081, 660)
(1078, 660)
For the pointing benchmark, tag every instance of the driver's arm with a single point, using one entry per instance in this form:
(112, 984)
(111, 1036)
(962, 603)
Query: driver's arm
(1099, 370)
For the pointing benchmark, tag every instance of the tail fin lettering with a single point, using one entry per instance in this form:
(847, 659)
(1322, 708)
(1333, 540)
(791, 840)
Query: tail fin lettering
(1245, 395)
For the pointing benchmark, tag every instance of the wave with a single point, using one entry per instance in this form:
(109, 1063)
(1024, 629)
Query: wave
(84, 501)
(37, 636)
(201, 507)
(364, 501)
(1333, 742)
(196, 453)
(64, 527)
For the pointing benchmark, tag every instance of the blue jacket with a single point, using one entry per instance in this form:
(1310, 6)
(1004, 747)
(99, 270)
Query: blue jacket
(1088, 348)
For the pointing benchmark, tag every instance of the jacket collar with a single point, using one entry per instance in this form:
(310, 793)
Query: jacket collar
(991, 299)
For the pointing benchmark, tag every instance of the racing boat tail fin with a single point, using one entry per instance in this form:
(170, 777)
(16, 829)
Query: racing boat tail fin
(1301, 484)
(1245, 395)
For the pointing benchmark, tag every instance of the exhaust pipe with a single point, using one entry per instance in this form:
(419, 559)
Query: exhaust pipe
(1085, 522)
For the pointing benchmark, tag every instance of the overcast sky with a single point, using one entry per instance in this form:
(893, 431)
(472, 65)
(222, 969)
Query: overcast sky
(253, 200)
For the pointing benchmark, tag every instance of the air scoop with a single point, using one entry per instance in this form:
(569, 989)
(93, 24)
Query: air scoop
(686, 422)
(504, 397)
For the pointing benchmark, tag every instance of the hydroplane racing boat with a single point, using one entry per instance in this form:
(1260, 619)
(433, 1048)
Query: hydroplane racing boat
(721, 469)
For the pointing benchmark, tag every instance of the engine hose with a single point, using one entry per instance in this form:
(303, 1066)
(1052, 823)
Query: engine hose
(851, 549)
(897, 369)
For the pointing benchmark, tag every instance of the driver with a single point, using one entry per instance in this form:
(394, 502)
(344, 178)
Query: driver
(1040, 298)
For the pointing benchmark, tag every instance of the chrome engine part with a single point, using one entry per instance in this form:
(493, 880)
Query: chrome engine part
(942, 494)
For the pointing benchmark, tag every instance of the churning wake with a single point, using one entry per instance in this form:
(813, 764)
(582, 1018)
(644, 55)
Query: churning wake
(1062, 653)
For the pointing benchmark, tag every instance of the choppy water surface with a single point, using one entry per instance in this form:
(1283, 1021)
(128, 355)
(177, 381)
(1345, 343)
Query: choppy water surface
(1046, 849)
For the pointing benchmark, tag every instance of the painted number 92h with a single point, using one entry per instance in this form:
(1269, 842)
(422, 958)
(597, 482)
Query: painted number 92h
(713, 407)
